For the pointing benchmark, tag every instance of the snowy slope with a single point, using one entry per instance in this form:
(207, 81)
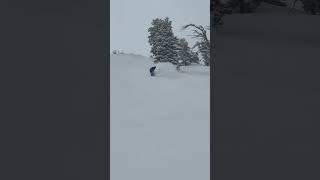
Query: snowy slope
(159, 125)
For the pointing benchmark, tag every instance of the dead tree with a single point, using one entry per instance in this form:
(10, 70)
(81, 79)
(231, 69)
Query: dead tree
(203, 45)
(199, 32)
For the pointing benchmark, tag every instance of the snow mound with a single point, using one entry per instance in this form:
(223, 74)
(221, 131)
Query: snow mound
(160, 126)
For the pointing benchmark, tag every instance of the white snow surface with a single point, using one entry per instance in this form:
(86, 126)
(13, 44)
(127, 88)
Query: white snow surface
(160, 126)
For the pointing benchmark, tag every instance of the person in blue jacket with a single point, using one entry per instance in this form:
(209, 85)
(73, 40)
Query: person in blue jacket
(152, 70)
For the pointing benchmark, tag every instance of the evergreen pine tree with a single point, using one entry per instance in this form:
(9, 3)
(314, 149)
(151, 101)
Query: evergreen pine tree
(204, 50)
(194, 57)
(163, 42)
(184, 53)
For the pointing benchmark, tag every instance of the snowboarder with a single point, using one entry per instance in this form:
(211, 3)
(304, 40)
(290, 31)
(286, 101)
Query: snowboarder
(152, 70)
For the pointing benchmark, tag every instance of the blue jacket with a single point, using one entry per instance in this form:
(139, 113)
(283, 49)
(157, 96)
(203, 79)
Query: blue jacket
(152, 69)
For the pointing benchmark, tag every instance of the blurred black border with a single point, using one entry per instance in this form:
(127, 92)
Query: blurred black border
(54, 89)
(264, 120)
(212, 94)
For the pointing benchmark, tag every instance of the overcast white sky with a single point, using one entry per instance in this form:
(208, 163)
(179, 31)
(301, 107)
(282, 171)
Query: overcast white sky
(130, 20)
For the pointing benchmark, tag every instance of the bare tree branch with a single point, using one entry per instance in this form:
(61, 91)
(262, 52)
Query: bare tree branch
(200, 32)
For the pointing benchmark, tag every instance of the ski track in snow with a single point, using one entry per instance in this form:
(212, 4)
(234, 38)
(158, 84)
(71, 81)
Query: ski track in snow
(160, 125)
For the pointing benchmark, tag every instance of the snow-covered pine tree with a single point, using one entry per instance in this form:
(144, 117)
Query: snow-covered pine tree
(162, 40)
(184, 53)
(204, 50)
(194, 57)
